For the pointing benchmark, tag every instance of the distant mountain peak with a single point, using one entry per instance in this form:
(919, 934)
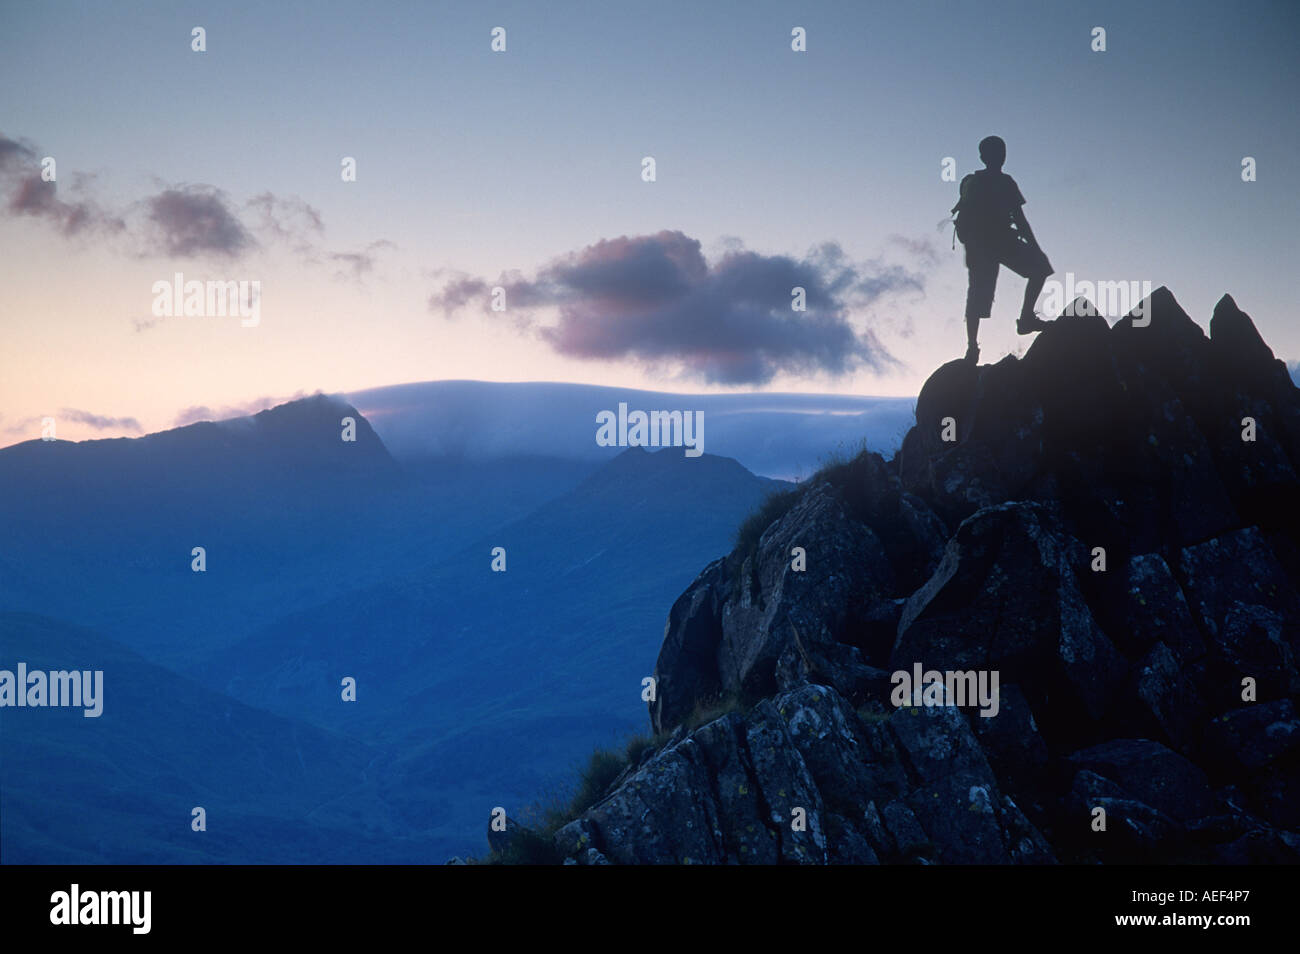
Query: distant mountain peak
(314, 423)
(276, 446)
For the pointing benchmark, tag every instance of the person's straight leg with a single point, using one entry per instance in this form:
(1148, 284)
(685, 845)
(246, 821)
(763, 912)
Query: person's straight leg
(983, 277)
(1033, 288)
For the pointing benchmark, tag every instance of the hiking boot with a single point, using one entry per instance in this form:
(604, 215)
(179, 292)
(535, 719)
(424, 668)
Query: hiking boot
(1028, 324)
(972, 353)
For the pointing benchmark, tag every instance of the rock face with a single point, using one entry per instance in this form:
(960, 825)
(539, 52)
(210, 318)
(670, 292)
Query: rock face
(803, 779)
(1108, 524)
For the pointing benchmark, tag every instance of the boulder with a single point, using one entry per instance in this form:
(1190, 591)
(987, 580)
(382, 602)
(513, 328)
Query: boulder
(1152, 774)
(1005, 598)
(686, 672)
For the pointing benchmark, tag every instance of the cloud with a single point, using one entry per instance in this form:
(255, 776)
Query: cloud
(299, 225)
(1294, 368)
(194, 220)
(15, 151)
(17, 159)
(188, 221)
(358, 264)
(654, 299)
(922, 249)
(73, 415)
(99, 422)
(291, 220)
(30, 195)
(201, 412)
(458, 293)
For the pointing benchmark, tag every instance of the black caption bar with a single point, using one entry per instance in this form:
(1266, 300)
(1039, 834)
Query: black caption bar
(139, 904)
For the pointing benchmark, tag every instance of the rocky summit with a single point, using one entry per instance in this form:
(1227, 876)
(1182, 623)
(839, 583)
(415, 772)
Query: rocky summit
(1108, 523)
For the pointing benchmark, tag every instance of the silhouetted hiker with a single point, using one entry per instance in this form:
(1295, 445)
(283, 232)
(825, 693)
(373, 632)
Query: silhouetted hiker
(988, 208)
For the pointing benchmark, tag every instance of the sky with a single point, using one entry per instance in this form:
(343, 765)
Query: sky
(523, 169)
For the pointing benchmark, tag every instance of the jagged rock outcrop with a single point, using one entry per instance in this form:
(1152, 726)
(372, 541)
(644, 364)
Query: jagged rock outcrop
(752, 624)
(1108, 524)
(914, 786)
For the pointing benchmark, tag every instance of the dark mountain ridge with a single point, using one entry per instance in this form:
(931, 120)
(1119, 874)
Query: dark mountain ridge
(288, 512)
(282, 442)
(1108, 524)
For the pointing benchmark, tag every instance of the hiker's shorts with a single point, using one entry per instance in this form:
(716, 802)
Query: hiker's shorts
(1027, 261)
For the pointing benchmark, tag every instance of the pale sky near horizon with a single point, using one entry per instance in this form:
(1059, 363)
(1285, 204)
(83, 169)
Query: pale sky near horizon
(477, 168)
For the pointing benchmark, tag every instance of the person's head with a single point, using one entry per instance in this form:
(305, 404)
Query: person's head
(993, 151)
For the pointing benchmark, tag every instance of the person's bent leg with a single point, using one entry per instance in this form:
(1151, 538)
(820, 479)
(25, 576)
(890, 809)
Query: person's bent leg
(1030, 263)
(1033, 288)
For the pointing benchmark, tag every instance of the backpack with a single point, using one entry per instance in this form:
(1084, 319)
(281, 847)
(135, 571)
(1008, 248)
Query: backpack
(982, 216)
(967, 211)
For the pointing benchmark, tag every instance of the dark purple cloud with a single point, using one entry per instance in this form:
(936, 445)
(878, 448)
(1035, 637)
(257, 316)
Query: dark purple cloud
(654, 299)
(458, 293)
(30, 195)
(196, 220)
(180, 220)
(13, 150)
(17, 158)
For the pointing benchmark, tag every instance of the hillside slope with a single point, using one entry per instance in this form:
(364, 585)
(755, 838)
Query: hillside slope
(488, 686)
(121, 787)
